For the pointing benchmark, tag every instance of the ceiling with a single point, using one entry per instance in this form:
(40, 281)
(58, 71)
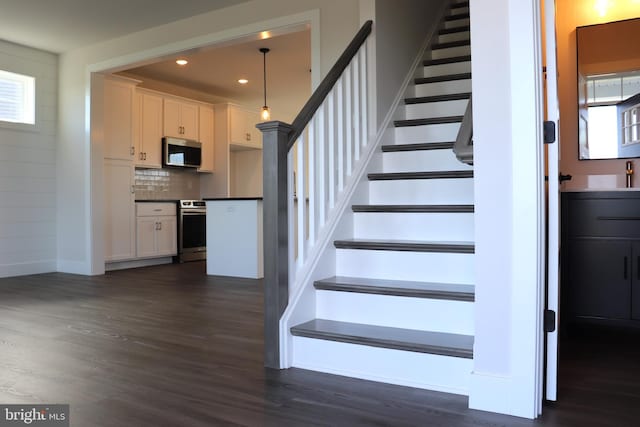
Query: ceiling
(62, 25)
(216, 70)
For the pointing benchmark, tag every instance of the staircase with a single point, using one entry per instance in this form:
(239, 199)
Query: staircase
(400, 309)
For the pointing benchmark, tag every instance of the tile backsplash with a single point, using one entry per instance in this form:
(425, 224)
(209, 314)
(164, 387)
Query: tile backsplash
(166, 184)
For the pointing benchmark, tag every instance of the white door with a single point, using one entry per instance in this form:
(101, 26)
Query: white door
(553, 209)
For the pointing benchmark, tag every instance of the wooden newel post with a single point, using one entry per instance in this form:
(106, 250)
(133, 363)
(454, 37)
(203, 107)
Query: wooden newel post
(275, 136)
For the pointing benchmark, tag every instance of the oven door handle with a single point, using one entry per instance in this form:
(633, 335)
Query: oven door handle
(193, 213)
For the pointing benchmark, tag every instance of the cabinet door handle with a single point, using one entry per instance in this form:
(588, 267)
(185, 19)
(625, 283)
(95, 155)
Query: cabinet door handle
(145, 156)
(132, 150)
(625, 267)
(159, 226)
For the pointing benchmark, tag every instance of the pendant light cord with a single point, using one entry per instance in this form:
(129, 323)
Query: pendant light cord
(264, 51)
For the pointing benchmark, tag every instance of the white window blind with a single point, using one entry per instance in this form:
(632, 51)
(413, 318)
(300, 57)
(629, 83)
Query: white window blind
(17, 98)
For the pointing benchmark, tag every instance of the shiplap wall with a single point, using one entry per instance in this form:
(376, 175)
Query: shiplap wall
(28, 170)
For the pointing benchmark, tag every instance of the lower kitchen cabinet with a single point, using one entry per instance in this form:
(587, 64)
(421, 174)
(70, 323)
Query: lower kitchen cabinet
(156, 230)
(601, 256)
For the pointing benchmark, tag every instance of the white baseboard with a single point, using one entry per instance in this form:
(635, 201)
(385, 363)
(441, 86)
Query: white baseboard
(122, 265)
(23, 269)
(492, 393)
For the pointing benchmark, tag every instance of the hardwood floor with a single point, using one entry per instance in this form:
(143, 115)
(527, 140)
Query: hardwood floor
(170, 346)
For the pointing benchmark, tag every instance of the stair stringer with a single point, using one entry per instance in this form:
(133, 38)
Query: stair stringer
(322, 258)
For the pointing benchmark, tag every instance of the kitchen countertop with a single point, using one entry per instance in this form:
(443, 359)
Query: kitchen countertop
(222, 199)
(159, 201)
(598, 190)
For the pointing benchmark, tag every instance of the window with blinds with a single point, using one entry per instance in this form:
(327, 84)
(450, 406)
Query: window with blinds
(17, 98)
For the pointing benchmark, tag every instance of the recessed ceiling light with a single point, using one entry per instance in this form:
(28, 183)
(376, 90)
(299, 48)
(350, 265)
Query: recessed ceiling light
(243, 81)
(182, 62)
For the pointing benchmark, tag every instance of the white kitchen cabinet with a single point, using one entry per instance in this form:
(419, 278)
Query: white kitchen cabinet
(156, 230)
(238, 164)
(180, 118)
(119, 210)
(118, 117)
(206, 118)
(242, 128)
(148, 129)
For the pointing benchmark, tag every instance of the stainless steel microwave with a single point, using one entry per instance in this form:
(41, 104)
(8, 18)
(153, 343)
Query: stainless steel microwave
(183, 153)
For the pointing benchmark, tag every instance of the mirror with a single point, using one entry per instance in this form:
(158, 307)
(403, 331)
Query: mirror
(609, 90)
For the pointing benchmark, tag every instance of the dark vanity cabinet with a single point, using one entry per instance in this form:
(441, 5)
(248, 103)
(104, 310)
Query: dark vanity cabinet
(601, 255)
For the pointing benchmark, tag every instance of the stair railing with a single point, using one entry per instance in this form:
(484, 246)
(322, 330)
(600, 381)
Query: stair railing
(306, 165)
(463, 147)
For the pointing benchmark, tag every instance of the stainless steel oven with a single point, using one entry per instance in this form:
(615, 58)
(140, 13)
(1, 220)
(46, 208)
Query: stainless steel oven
(192, 230)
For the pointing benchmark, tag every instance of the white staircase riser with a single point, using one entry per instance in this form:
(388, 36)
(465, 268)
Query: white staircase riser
(443, 88)
(422, 191)
(399, 265)
(457, 23)
(407, 368)
(436, 109)
(446, 69)
(455, 317)
(454, 37)
(424, 160)
(446, 132)
(451, 52)
(414, 226)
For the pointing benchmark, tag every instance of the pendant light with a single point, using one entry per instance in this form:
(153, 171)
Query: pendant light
(266, 112)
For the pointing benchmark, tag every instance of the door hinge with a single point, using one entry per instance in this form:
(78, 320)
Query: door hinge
(549, 321)
(549, 132)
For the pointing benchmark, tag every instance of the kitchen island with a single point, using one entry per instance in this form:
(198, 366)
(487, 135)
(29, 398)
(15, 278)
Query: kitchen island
(234, 237)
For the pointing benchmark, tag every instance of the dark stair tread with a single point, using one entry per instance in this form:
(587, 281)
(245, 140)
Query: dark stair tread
(392, 148)
(406, 246)
(460, 29)
(440, 343)
(438, 98)
(431, 121)
(403, 288)
(457, 17)
(380, 176)
(414, 208)
(443, 78)
(459, 5)
(442, 61)
(447, 45)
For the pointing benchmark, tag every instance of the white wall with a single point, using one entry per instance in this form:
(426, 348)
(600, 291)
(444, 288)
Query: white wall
(79, 191)
(403, 26)
(28, 171)
(508, 203)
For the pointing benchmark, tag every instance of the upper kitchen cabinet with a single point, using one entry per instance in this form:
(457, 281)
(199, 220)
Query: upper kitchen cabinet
(206, 118)
(118, 117)
(148, 129)
(180, 118)
(242, 128)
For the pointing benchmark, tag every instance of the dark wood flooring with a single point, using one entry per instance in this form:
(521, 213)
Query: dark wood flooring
(169, 346)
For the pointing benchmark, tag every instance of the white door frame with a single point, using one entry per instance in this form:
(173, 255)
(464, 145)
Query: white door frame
(553, 208)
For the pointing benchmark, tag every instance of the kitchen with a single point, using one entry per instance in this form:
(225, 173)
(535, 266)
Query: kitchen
(159, 119)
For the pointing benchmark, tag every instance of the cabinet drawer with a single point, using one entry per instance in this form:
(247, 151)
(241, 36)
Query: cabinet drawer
(155, 209)
(604, 217)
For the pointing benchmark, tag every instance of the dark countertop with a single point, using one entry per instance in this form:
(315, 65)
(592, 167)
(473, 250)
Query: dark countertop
(159, 201)
(222, 199)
